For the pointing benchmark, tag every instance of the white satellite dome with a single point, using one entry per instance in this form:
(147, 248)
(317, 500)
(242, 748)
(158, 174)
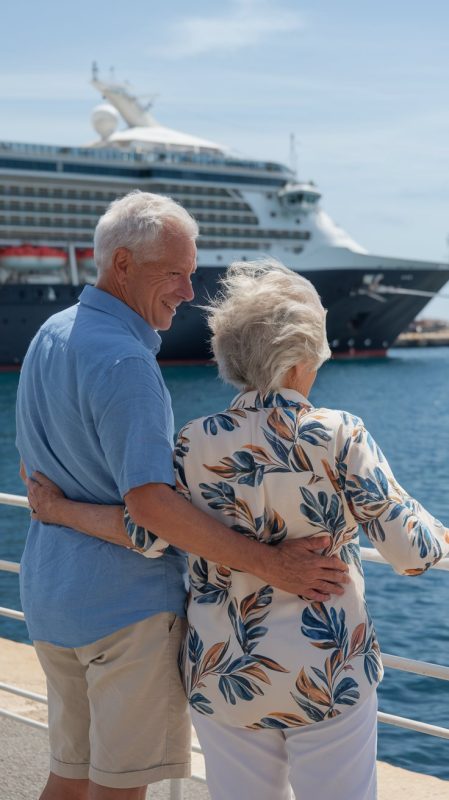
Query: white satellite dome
(105, 120)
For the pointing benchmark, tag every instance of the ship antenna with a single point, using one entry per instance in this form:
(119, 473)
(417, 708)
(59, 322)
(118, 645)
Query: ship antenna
(94, 71)
(293, 154)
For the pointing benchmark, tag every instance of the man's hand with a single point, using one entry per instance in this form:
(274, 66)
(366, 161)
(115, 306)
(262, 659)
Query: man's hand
(43, 496)
(299, 568)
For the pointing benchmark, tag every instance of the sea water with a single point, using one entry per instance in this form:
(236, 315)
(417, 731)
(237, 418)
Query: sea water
(404, 402)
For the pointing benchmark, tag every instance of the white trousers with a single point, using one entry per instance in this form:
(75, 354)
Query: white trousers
(331, 760)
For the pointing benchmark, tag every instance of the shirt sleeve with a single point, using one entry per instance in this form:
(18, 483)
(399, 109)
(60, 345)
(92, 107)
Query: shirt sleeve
(132, 417)
(148, 544)
(398, 526)
(181, 450)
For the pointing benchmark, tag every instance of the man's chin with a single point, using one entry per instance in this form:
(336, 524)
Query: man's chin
(164, 326)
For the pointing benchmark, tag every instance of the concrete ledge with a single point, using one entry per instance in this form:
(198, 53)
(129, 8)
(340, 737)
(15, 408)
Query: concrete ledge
(19, 666)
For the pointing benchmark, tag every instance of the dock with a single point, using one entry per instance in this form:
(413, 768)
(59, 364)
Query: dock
(425, 338)
(25, 751)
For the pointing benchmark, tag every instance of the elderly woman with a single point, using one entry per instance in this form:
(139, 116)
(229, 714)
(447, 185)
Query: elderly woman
(283, 690)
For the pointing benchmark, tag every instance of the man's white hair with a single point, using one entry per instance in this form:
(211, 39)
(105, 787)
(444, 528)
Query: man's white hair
(265, 320)
(137, 221)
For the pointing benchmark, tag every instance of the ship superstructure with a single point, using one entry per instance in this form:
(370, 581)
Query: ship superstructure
(51, 198)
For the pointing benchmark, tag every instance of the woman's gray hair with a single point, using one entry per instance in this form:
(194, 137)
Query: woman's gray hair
(136, 221)
(265, 320)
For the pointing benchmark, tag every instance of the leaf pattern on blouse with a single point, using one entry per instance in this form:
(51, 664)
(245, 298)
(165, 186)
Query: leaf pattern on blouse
(227, 421)
(286, 453)
(238, 678)
(205, 590)
(269, 528)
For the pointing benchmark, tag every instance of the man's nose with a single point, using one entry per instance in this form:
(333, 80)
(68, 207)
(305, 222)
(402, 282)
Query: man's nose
(187, 289)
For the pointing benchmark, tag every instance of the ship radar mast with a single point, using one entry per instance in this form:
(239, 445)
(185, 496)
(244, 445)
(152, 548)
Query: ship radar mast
(293, 155)
(132, 109)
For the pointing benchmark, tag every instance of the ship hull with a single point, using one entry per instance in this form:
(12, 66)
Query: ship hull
(358, 321)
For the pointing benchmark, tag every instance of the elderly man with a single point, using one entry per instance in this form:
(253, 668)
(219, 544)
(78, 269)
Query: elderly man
(94, 415)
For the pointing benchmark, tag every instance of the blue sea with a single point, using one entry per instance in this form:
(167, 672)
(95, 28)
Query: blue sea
(404, 401)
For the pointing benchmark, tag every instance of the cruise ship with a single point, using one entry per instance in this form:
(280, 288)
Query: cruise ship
(51, 198)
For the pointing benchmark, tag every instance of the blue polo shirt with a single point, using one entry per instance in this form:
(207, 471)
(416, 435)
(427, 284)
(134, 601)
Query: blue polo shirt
(94, 414)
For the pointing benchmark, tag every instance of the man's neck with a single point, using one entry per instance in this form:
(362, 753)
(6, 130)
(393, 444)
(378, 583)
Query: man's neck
(106, 285)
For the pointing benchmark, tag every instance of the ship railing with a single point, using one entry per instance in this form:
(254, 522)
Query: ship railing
(162, 154)
(401, 663)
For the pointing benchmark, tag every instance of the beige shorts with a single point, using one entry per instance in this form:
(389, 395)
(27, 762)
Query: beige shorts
(117, 711)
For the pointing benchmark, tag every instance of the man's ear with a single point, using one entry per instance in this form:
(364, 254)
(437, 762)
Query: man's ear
(121, 263)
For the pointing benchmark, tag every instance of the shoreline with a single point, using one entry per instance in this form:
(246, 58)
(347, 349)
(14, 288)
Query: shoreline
(439, 338)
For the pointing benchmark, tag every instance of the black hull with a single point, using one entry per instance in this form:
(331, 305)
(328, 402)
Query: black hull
(358, 323)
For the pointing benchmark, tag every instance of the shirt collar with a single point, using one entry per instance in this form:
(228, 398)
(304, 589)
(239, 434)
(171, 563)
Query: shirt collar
(282, 398)
(108, 304)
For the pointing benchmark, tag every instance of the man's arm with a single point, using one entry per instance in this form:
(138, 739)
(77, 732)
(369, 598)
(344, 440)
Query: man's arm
(294, 566)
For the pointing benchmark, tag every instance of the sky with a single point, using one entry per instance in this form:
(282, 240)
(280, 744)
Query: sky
(364, 88)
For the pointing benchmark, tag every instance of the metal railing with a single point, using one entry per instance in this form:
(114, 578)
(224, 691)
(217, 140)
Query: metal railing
(424, 668)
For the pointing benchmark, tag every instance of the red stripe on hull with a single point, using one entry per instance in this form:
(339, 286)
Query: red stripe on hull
(10, 367)
(353, 353)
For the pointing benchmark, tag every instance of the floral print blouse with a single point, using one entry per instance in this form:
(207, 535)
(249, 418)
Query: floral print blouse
(273, 467)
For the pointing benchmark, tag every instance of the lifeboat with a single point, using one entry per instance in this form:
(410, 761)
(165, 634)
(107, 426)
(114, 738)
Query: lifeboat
(27, 258)
(85, 261)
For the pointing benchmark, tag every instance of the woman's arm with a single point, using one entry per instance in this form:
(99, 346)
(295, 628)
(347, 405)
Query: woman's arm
(398, 526)
(296, 567)
(49, 504)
